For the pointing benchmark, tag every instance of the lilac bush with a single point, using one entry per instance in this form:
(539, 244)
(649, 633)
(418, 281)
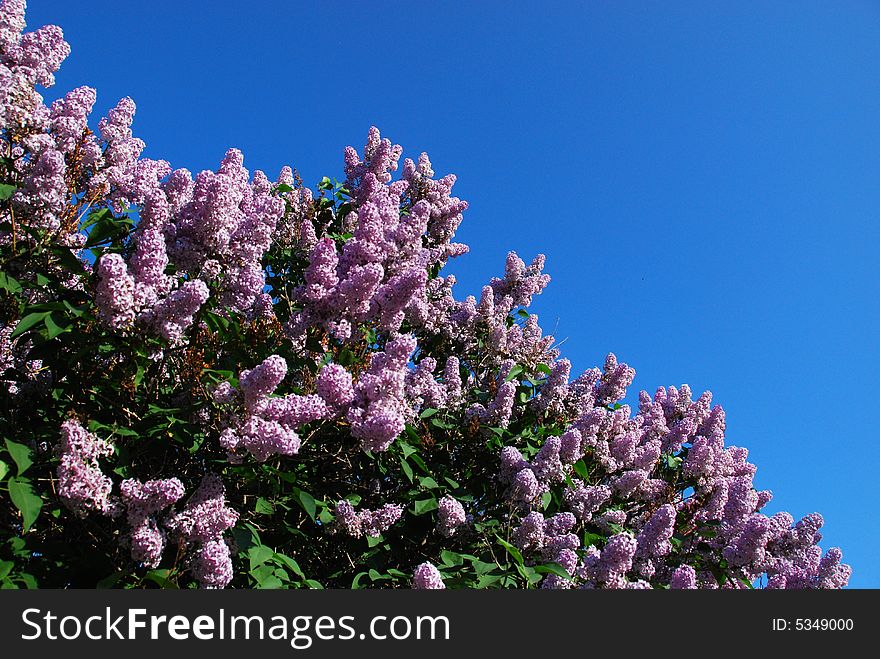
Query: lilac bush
(226, 379)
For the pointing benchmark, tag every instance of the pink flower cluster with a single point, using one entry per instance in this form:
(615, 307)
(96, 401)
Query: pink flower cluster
(142, 502)
(82, 486)
(427, 577)
(627, 497)
(451, 516)
(361, 523)
(201, 524)
(264, 425)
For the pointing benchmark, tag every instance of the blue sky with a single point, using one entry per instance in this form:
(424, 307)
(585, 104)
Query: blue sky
(703, 177)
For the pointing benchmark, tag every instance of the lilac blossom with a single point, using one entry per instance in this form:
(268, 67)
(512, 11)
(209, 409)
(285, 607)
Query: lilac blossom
(450, 516)
(365, 522)
(427, 577)
(82, 485)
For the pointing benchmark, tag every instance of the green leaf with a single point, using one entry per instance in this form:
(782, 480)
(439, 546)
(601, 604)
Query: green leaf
(404, 465)
(161, 578)
(264, 507)
(592, 539)
(356, 582)
(96, 216)
(425, 505)
(581, 469)
(4, 469)
(417, 459)
(54, 327)
(428, 412)
(292, 564)
(413, 434)
(28, 503)
(513, 551)
(259, 554)
(546, 498)
(67, 258)
(270, 582)
(529, 573)
(28, 580)
(314, 585)
(6, 191)
(487, 580)
(673, 461)
(139, 375)
(28, 322)
(553, 568)
(307, 501)
(482, 567)
(450, 558)
(544, 368)
(21, 454)
(514, 372)
(7, 283)
(106, 226)
(428, 482)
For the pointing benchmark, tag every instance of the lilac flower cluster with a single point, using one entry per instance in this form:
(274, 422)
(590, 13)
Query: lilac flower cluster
(400, 231)
(296, 227)
(218, 226)
(28, 59)
(427, 577)
(520, 283)
(59, 161)
(361, 523)
(555, 392)
(82, 486)
(26, 375)
(451, 516)
(628, 497)
(264, 425)
(528, 481)
(422, 388)
(379, 410)
(553, 540)
(499, 411)
(489, 321)
(142, 502)
(202, 523)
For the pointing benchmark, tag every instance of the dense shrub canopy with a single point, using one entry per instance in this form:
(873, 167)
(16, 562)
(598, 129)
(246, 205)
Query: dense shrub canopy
(226, 380)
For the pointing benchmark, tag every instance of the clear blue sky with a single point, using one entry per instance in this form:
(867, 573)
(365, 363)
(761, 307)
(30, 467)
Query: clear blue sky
(703, 177)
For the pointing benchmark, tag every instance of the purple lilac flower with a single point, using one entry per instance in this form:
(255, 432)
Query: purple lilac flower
(427, 577)
(335, 387)
(451, 516)
(365, 522)
(211, 564)
(206, 516)
(82, 485)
